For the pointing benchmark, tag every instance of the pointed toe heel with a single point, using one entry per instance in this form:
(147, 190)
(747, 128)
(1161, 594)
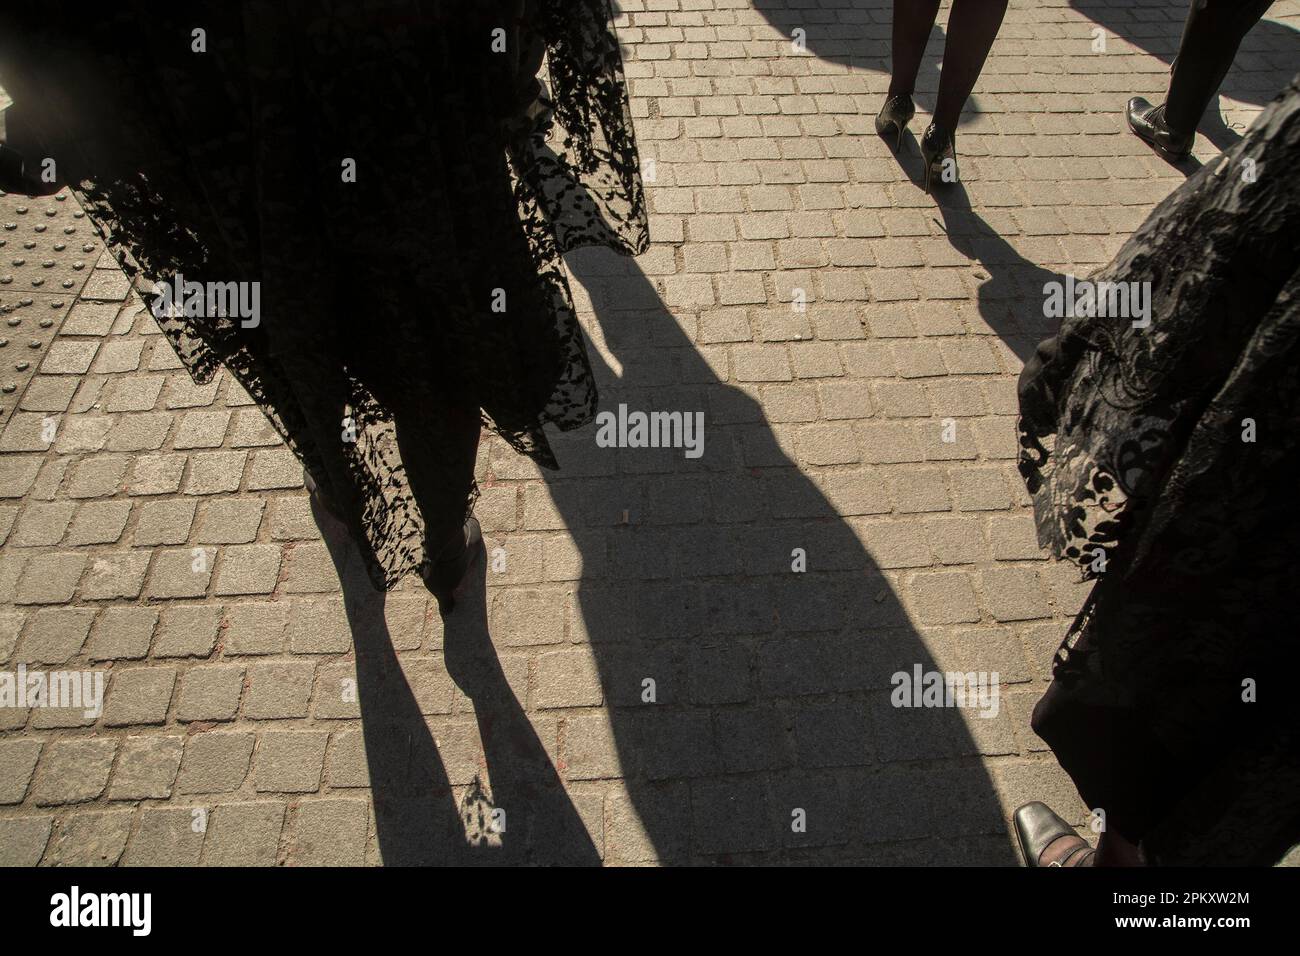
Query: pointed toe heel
(893, 118)
(938, 148)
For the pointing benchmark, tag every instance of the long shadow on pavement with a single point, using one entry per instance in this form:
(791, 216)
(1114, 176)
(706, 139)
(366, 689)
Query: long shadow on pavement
(742, 695)
(417, 816)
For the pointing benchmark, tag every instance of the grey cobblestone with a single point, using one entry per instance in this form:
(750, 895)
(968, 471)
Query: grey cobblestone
(146, 768)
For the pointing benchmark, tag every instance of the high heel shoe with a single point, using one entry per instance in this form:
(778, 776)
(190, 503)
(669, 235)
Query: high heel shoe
(445, 573)
(938, 148)
(894, 117)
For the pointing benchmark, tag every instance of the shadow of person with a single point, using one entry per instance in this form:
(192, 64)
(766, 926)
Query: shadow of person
(857, 34)
(418, 819)
(747, 703)
(1274, 46)
(1010, 299)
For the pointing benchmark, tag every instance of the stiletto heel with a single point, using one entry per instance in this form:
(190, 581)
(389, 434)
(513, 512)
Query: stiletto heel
(938, 146)
(894, 117)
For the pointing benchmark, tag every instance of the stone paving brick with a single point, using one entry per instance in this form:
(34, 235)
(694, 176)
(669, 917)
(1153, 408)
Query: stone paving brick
(588, 749)
(107, 285)
(346, 764)
(828, 444)
(181, 392)
(215, 472)
(11, 625)
(210, 692)
(215, 762)
(155, 474)
(916, 490)
(145, 432)
(23, 839)
(122, 633)
(978, 488)
(187, 630)
(166, 836)
(244, 834)
(17, 761)
(91, 319)
(70, 434)
(956, 539)
(146, 768)
(99, 522)
(69, 357)
(1014, 538)
(230, 521)
(567, 679)
(278, 689)
(115, 356)
(290, 761)
(248, 569)
(844, 400)
(309, 569)
(255, 628)
(328, 833)
(28, 431)
(55, 635)
(181, 573)
(525, 616)
(273, 469)
(205, 429)
(119, 575)
(944, 597)
(17, 474)
(335, 696)
(252, 429)
(319, 627)
(140, 695)
(42, 523)
(49, 393)
(90, 838)
(1014, 594)
(290, 519)
(134, 393)
(163, 522)
(97, 477)
(72, 771)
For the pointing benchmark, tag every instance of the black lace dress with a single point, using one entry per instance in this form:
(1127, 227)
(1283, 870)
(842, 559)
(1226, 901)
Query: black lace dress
(393, 173)
(1164, 460)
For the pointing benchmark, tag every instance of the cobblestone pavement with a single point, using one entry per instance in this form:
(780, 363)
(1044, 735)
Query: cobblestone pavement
(696, 698)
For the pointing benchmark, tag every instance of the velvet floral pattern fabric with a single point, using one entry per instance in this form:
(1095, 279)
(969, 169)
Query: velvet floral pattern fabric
(1162, 460)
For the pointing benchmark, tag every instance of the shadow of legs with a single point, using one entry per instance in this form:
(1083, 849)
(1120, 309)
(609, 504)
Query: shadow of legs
(416, 813)
(542, 826)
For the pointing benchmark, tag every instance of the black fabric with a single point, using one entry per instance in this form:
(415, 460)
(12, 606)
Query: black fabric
(376, 295)
(1133, 449)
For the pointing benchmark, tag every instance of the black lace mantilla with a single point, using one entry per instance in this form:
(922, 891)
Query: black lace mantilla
(474, 175)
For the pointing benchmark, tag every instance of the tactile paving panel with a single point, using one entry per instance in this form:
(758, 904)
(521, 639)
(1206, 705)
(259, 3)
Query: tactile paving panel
(48, 249)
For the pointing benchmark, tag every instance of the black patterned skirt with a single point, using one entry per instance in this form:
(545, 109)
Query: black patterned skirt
(392, 174)
(1162, 454)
